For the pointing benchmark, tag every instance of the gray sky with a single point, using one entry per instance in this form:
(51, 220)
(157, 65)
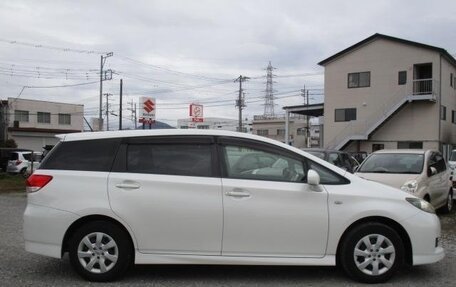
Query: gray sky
(190, 51)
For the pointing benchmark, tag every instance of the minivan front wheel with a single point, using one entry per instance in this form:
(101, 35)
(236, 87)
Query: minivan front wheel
(100, 251)
(372, 253)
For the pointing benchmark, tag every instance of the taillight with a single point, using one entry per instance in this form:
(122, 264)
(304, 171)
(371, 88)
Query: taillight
(36, 182)
(18, 162)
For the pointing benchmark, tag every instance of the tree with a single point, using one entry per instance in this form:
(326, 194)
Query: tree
(9, 143)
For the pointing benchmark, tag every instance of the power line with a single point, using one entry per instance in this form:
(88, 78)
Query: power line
(34, 45)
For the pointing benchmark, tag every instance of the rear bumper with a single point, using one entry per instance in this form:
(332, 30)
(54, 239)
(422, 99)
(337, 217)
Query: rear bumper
(44, 229)
(424, 232)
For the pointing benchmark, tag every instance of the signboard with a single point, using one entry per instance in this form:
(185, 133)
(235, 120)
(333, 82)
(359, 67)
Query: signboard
(147, 111)
(196, 112)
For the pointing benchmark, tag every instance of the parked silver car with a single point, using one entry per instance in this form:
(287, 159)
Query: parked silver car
(422, 173)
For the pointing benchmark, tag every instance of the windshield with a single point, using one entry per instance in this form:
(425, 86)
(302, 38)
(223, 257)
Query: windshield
(393, 163)
(453, 156)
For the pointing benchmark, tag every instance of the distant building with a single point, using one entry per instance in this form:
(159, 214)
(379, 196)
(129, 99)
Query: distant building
(33, 124)
(214, 124)
(274, 128)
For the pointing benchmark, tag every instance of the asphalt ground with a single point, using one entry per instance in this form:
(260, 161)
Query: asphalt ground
(19, 268)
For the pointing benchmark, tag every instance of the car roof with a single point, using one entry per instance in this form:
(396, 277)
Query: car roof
(160, 132)
(410, 151)
(322, 150)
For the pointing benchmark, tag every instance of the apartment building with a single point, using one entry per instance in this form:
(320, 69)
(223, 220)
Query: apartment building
(34, 124)
(386, 92)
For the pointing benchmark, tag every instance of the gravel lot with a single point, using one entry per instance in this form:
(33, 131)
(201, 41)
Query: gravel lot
(18, 268)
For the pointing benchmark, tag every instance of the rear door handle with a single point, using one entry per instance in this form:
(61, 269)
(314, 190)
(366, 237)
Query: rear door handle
(128, 185)
(237, 193)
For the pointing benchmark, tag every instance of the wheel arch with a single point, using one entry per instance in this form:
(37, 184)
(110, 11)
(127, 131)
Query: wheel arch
(90, 218)
(387, 221)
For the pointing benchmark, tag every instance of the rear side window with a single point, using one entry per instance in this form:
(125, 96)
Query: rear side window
(89, 155)
(171, 159)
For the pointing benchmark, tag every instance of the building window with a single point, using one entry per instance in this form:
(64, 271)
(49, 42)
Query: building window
(21, 116)
(184, 127)
(345, 115)
(443, 113)
(262, 132)
(453, 117)
(281, 132)
(64, 119)
(203, 127)
(359, 80)
(301, 131)
(376, 147)
(451, 79)
(44, 118)
(414, 145)
(402, 78)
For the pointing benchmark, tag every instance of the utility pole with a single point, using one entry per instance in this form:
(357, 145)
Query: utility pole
(103, 77)
(120, 108)
(107, 110)
(307, 120)
(133, 113)
(240, 103)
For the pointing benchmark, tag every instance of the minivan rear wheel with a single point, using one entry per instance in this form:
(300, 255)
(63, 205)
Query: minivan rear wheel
(372, 253)
(100, 251)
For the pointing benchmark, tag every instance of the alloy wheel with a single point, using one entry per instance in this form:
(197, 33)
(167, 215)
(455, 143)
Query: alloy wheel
(97, 252)
(374, 254)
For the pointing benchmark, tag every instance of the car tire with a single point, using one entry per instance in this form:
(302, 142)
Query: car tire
(448, 207)
(363, 260)
(100, 251)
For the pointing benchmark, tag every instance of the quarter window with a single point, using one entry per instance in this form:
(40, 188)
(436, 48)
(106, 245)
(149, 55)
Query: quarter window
(170, 159)
(44, 118)
(88, 155)
(345, 115)
(359, 80)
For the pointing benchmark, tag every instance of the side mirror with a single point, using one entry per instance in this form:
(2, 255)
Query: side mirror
(312, 177)
(432, 171)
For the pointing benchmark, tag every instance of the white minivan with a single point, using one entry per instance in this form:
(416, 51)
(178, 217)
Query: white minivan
(111, 199)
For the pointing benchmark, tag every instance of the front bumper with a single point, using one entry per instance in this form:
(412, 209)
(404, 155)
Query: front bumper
(424, 232)
(44, 229)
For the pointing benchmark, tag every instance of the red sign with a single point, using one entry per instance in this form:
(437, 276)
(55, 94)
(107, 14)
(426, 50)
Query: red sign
(198, 120)
(149, 106)
(196, 112)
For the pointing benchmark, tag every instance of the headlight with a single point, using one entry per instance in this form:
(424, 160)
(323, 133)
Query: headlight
(421, 204)
(410, 186)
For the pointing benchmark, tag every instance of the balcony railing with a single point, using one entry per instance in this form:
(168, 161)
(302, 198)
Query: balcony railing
(423, 87)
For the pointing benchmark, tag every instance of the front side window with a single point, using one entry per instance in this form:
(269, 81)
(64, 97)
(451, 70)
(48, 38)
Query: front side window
(359, 80)
(249, 163)
(21, 116)
(170, 159)
(437, 162)
(44, 118)
(345, 115)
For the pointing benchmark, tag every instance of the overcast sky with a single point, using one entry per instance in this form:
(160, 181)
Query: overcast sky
(190, 51)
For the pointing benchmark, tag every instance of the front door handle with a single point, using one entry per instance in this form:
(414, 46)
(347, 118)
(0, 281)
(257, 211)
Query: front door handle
(237, 193)
(128, 185)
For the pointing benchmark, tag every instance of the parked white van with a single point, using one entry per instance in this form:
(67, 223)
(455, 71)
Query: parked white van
(111, 199)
